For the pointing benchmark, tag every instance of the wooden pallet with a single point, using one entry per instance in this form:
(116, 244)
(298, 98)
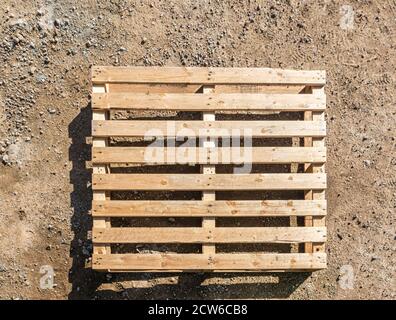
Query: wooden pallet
(211, 92)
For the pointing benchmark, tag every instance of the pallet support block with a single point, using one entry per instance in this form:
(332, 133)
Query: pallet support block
(209, 91)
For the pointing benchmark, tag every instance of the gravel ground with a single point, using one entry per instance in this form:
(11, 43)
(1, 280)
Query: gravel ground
(47, 48)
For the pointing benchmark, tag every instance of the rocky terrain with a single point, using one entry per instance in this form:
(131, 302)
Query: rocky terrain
(47, 48)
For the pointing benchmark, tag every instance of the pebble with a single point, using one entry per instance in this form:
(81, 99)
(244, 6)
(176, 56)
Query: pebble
(367, 163)
(5, 158)
(41, 78)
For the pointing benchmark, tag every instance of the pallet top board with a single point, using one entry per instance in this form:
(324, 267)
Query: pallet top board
(197, 75)
(213, 102)
(262, 155)
(218, 208)
(280, 203)
(221, 262)
(174, 181)
(152, 128)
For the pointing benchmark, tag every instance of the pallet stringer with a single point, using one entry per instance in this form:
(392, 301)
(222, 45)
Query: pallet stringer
(208, 223)
(100, 169)
(315, 168)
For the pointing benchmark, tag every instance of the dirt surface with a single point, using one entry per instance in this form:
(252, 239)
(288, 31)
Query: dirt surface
(46, 50)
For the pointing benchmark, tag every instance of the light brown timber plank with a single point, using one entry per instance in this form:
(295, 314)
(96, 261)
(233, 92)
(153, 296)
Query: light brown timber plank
(208, 223)
(308, 193)
(209, 101)
(318, 168)
(223, 261)
(154, 88)
(100, 169)
(294, 169)
(222, 155)
(218, 208)
(274, 129)
(197, 75)
(210, 235)
(259, 88)
(209, 182)
(194, 88)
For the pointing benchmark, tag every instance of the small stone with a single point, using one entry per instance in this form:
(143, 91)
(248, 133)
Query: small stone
(51, 111)
(41, 78)
(5, 159)
(367, 163)
(144, 40)
(172, 220)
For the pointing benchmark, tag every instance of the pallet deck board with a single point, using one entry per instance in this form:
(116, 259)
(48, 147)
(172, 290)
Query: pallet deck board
(219, 261)
(217, 208)
(159, 91)
(209, 102)
(197, 75)
(156, 128)
(223, 155)
(215, 235)
(173, 181)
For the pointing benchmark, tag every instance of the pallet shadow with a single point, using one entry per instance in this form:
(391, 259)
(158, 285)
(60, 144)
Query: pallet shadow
(194, 286)
(84, 281)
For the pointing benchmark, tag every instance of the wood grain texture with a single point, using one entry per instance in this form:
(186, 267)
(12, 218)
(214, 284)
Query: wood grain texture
(209, 102)
(231, 261)
(208, 223)
(100, 169)
(197, 75)
(218, 208)
(183, 182)
(183, 155)
(215, 235)
(156, 128)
